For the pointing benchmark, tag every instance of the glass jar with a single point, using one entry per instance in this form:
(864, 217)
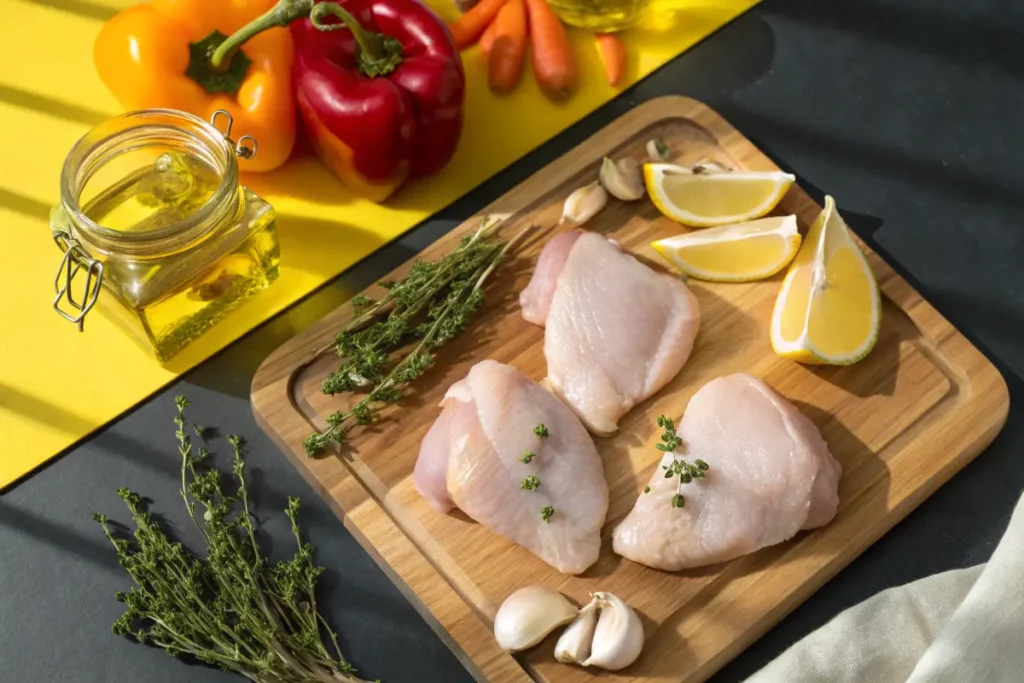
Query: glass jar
(153, 213)
(600, 16)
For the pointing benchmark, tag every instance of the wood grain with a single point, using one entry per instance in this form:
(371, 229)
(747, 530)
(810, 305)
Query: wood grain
(901, 422)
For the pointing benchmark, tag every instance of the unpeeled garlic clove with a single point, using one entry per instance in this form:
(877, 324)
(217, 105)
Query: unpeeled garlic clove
(573, 646)
(657, 150)
(707, 166)
(619, 636)
(529, 615)
(583, 204)
(622, 178)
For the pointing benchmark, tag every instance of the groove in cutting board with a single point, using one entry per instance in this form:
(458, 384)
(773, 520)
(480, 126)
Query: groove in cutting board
(901, 422)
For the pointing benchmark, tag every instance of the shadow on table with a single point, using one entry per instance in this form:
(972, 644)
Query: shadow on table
(43, 412)
(94, 550)
(959, 38)
(49, 106)
(82, 8)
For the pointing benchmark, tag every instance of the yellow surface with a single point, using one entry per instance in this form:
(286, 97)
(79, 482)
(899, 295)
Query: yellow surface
(828, 309)
(57, 385)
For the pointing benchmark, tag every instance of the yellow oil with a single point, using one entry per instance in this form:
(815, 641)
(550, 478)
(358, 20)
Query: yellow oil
(175, 297)
(599, 16)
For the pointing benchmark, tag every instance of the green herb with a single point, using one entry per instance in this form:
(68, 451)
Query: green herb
(233, 609)
(647, 489)
(546, 513)
(424, 311)
(686, 472)
(541, 431)
(200, 431)
(361, 301)
(669, 440)
(527, 457)
(530, 483)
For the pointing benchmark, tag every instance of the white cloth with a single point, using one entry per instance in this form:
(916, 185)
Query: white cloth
(961, 626)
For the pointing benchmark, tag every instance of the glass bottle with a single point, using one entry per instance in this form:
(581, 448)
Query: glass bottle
(600, 16)
(157, 229)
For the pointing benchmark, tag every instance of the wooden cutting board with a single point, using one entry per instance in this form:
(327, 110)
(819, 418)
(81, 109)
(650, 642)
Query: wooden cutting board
(901, 422)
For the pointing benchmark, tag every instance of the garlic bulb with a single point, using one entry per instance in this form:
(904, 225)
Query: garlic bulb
(529, 615)
(622, 178)
(583, 204)
(619, 635)
(574, 645)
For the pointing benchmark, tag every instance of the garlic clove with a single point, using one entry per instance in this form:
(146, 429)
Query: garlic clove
(707, 166)
(583, 204)
(529, 615)
(619, 636)
(573, 646)
(657, 150)
(622, 178)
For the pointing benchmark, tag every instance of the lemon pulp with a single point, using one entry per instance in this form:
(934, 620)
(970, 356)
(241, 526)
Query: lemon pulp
(710, 199)
(736, 253)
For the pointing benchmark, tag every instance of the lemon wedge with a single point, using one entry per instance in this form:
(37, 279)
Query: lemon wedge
(828, 310)
(709, 199)
(734, 253)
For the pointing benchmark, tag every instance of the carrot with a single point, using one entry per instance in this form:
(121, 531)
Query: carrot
(487, 40)
(505, 65)
(468, 28)
(553, 60)
(613, 54)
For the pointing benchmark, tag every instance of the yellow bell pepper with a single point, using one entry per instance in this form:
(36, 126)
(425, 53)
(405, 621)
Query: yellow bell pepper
(157, 54)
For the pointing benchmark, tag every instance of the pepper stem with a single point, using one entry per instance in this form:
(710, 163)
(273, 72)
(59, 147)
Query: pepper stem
(281, 14)
(379, 54)
(371, 44)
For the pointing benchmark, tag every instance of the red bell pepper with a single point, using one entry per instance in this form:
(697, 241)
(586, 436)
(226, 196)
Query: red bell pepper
(379, 84)
(382, 101)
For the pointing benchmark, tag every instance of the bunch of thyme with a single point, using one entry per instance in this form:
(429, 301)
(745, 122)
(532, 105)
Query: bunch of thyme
(686, 472)
(430, 306)
(234, 609)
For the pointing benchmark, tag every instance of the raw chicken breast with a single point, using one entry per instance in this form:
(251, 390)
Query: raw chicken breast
(616, 331)
(536, 298)
(470, 459)
(770, 476)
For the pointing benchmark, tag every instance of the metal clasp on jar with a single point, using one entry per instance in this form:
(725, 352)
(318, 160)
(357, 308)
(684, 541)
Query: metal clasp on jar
(242, 150)
(76, 258)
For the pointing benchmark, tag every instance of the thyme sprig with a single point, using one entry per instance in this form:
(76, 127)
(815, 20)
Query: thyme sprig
(687, 472)
(233, 609)
(430, 306)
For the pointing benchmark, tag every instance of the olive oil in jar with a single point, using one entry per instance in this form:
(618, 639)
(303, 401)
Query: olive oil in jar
(600, 16)
(181, 242)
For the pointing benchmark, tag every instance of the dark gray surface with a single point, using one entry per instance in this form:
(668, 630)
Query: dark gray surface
(907, 112)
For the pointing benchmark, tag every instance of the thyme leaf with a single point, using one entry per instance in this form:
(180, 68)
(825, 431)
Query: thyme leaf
(530, 483)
